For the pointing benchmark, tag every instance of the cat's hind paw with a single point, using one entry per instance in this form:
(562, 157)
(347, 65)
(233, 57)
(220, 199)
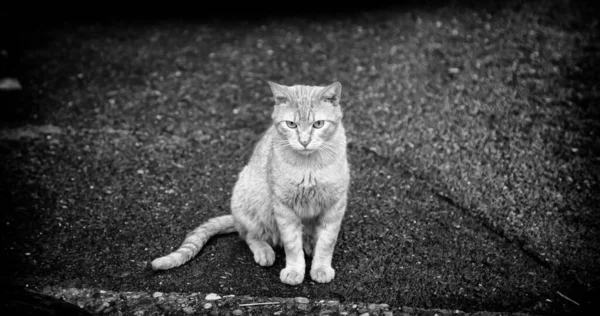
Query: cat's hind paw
(265, 257)
(322, 274)
(291, 277)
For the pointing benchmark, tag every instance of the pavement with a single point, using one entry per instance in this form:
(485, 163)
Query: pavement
(472, 141)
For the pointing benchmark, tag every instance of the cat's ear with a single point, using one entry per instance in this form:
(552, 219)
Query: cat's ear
(280, 94)
(332, 93)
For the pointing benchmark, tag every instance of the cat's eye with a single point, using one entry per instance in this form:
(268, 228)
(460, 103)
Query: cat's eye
(291, 124)
(330, 99)
(318, 124)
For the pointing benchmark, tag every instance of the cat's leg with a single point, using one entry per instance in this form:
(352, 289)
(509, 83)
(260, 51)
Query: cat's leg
(290, 229)
(263, 252)
(249, 206)
(257, 232)
(327, 230)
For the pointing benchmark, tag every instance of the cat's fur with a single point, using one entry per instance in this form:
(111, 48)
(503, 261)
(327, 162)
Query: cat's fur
(292, 192)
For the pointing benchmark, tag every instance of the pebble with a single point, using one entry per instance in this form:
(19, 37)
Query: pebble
(302, 300)
(157, 294)
(388, 313)
(207, 306)
(302, 307)
(189, 310)
(237, 312)
(364, 314)
(373, 306)
(102, 307)
(108, 310)
(212, 297)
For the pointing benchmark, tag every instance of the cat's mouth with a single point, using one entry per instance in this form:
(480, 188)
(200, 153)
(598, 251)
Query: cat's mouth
(306, 151)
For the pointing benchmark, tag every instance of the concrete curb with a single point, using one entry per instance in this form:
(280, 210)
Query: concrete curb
(103, 302)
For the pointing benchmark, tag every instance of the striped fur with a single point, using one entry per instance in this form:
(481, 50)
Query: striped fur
(292, 192)
(194, 241)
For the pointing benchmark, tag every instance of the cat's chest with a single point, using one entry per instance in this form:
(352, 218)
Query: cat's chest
(310, 190)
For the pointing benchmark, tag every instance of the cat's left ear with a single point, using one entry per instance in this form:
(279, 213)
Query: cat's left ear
(332, 93)
(280, 94)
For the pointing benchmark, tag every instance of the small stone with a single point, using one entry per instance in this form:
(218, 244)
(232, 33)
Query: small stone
(332, 303)
(207, 306)
(302, 300)
(139, 313)
(373, 306)
(212, 297)
(303, 307)
(277, 313)
(388, 313)
(157, 294)
(102, 307)
(237, 312)
(189, 310)
(407, 309)
(364, 314)
(384, 306)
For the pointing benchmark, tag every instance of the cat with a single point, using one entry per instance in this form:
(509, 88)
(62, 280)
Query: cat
(293, 191)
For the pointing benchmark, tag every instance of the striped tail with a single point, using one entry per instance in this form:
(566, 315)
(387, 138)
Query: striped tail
(194, 241)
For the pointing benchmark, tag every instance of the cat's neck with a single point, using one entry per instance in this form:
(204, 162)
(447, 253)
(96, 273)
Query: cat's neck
(331, 153)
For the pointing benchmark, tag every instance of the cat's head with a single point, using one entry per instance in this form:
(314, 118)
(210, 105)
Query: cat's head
(306, 116)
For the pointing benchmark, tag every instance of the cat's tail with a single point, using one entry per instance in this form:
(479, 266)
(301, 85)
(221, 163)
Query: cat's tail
(194, 241)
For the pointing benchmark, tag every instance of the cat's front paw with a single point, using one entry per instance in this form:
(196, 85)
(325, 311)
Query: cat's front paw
(291, 276)
(322, 274)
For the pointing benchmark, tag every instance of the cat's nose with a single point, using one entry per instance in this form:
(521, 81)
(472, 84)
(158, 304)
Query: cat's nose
(304, 142)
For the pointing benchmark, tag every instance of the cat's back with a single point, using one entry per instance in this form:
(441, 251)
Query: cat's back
(251, 190)
(262, 151)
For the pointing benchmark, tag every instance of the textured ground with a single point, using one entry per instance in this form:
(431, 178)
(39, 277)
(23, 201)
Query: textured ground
(473, 142)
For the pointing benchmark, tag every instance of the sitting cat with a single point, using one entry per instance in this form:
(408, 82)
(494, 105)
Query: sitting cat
(293, 191)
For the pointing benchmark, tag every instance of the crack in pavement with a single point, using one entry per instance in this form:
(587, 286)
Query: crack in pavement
(520, 242)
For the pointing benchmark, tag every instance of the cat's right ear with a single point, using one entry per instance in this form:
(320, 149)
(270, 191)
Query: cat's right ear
(280, 94)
